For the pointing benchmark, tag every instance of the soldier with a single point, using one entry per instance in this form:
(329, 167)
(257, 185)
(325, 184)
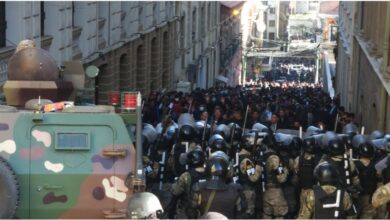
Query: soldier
(144, 205)
(304, 167)
(336, 156)
(274, 201)
(214, 195)
(182, 187)
(327, 200)
(249, 173)
(368, 179)
(185, 143)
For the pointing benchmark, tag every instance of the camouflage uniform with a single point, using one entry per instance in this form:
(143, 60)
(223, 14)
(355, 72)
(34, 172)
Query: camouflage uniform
(182, 187)
(304, 190)
(308, 204)
(274, 202)
(381, 196)
(249, 176)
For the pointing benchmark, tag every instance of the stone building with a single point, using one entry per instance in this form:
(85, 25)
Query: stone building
(197, 46)
(363, 65)
(132, 43)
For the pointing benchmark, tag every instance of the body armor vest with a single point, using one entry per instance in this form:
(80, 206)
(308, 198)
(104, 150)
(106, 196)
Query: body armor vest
(197, 177)
(163, 174)
(339, 165)
(305, 174)
(243, 177)
(367, 176)
(328, 206)
(179, 148)
(224, 201)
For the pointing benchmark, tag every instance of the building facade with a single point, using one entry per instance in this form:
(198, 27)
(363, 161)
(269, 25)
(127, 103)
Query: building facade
(141, 46)
(230, 62)
(197, 44)
(363, 69)
(271, 20)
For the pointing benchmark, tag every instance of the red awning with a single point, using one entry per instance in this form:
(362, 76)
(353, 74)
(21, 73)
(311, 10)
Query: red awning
(231, 4)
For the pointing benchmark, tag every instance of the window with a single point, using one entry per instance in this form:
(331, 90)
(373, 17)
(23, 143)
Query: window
(272, 23)
(3, 24)
(272, 10)
(271, 36)
(72, 141)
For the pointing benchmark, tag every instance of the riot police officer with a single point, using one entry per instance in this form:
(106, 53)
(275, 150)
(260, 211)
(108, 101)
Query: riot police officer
(336, 156)
(274, 201)
(367, 175)
(304, 166)
(182, 187)
(215, 195)
(327, 200)
(248, 173)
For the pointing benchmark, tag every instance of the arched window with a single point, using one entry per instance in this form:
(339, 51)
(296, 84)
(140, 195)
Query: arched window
(124, 73)
(165, 67)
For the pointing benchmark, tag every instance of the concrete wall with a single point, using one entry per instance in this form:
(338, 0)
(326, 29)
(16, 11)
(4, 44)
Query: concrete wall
(363, 71)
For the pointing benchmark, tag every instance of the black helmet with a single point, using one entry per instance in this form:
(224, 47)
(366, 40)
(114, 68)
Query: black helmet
(326, 174)
(309, 145)
(217, 166)
(366, 150)
(144, 205)
(347, 140)
(217, 143)
(195, 158)
(295, 144)
(335, 147)
(186, 133)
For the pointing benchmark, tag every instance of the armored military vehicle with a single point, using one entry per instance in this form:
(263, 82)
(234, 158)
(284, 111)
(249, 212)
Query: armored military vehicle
(59, 160)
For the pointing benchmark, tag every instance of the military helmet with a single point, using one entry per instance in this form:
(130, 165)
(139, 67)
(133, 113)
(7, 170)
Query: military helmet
(366, 150)
(260, 127)
(376, 135)
(217, 143)
(347, 140)
(309, 145)
(199, 129)
(195, 158)
(217, 166)
(144, 205)
(335, 147)
(222, 130)
(186, 133)
(326, 174)
(295, 144)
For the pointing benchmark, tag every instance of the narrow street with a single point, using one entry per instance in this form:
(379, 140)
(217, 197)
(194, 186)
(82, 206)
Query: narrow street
(195, 109)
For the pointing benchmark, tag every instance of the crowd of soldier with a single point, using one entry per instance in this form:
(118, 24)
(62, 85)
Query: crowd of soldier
(242, 152)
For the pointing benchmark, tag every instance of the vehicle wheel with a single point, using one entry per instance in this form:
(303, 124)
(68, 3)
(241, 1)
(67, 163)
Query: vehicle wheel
(9, 191)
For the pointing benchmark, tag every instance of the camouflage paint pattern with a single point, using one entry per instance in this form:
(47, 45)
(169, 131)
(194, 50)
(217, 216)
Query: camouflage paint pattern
(60, 182)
